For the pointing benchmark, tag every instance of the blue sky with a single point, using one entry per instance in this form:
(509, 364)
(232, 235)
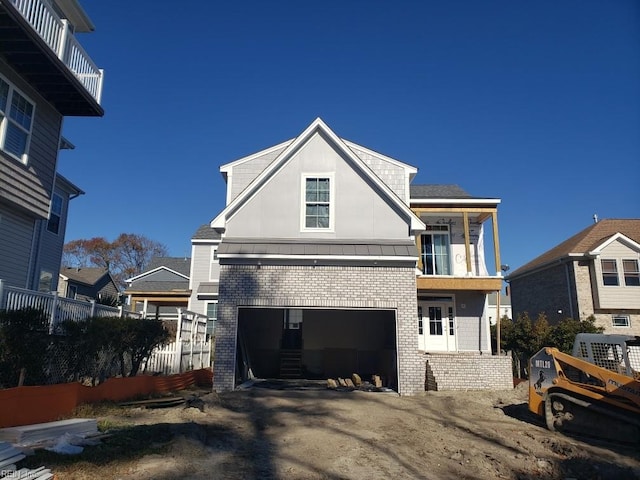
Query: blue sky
(535, 103)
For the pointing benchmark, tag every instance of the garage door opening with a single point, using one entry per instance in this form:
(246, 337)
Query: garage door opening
(282, 343)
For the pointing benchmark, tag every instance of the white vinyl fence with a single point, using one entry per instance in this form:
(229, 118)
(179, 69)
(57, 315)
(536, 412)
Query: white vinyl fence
(190, 350)
(58, 309)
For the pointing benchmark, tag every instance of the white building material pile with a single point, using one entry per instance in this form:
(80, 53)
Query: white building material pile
(9, 456)
(48, 433)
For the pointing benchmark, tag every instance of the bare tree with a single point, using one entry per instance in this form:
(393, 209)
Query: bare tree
(127, 256)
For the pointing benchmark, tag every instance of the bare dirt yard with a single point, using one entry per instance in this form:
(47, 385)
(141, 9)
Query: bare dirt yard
(315, 433)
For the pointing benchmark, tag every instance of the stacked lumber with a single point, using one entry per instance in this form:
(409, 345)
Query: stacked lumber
(356, 383)
(40, 433)
(9, 456)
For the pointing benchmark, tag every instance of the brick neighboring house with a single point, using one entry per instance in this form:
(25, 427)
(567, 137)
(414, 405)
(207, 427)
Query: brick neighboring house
(325, 262)
(87, 283)
(595, 272)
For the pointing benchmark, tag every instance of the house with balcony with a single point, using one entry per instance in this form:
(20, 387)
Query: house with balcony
(45, 75)
(325, 262)
(596, 272)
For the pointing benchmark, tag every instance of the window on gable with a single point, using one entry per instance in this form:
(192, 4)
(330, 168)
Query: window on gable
(16, 121)
(631, 273)
(56, 214)
(609, 272)
(434, 250)
(317, 203)
(620, 321)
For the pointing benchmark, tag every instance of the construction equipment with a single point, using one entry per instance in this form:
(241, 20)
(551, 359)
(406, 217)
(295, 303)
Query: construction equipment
(595, 391)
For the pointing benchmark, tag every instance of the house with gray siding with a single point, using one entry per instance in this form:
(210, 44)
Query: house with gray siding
(88, 283)
(39, 86)
(323, 264)
(596, 272)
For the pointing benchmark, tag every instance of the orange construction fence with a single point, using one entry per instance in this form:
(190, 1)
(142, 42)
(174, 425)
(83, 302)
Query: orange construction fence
(29, 405)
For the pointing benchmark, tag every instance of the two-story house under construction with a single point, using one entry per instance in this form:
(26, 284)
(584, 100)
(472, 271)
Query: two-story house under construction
(325, 262)
(45, 75)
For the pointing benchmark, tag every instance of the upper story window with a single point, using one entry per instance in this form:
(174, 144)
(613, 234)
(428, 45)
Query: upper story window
(609, 272)
(435, 251)
(212, 316)
(56, 214)
(631, 273)
(317, 202)
(16, 121)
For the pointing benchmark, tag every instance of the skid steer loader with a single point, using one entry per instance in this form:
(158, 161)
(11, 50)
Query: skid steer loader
(595, 391)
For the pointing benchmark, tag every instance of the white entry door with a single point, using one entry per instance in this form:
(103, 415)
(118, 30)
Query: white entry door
(436, 327)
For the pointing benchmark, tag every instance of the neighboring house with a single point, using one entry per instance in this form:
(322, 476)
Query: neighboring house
(162, 288)
(325, 262)
(87, 283)
(44, 76)
(595, 272)
(492, 306)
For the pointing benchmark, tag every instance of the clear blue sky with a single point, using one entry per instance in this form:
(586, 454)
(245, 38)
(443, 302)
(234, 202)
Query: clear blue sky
(533, 102)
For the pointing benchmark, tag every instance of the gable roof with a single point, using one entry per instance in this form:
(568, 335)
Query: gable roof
(181, 266)
(584, 242)
(316, 126)
(177, 264)
(86, 275)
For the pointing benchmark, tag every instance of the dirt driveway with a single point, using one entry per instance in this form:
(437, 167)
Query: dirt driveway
(312, 433)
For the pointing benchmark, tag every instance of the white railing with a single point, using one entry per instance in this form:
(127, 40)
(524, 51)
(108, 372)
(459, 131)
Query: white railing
(56, 33)
(58, 309)
(190, 350)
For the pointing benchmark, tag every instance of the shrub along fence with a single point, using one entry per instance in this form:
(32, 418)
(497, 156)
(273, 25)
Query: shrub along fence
(46, 339)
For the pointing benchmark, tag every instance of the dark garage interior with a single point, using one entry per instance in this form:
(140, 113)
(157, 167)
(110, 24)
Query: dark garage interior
(282, 343)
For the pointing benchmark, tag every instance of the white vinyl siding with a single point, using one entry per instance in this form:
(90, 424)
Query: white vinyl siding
(616, 261)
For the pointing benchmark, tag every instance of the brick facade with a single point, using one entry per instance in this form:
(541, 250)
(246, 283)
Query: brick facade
(348, 287)
(468, 372)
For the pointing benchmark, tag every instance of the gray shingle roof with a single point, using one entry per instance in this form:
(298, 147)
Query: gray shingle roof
(437, 191)
(86, 275)
(177, 264)
(205, 232)
(332, 248)
(584, 241)
(208, 287)
(144, 286)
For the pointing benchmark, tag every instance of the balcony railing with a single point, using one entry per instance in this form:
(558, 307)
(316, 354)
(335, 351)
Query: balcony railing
(56, 33)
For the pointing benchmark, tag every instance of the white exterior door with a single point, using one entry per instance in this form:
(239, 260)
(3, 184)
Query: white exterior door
(436, 327)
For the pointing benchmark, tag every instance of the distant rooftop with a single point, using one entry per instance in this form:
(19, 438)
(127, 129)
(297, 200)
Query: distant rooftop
(438, 191)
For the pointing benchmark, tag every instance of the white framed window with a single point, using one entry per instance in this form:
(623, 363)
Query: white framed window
(317, 204)
(53, 225)
(16, 121)
(435, 250)
(212, 316)
(609, 273)
(214, 264)
(631, 273)
(620, 321)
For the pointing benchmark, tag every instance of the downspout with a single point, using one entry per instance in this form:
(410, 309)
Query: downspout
(569, 290)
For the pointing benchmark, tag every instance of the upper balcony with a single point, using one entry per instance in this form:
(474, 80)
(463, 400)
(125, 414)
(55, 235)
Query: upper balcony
(40, 45)
(452, 248)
